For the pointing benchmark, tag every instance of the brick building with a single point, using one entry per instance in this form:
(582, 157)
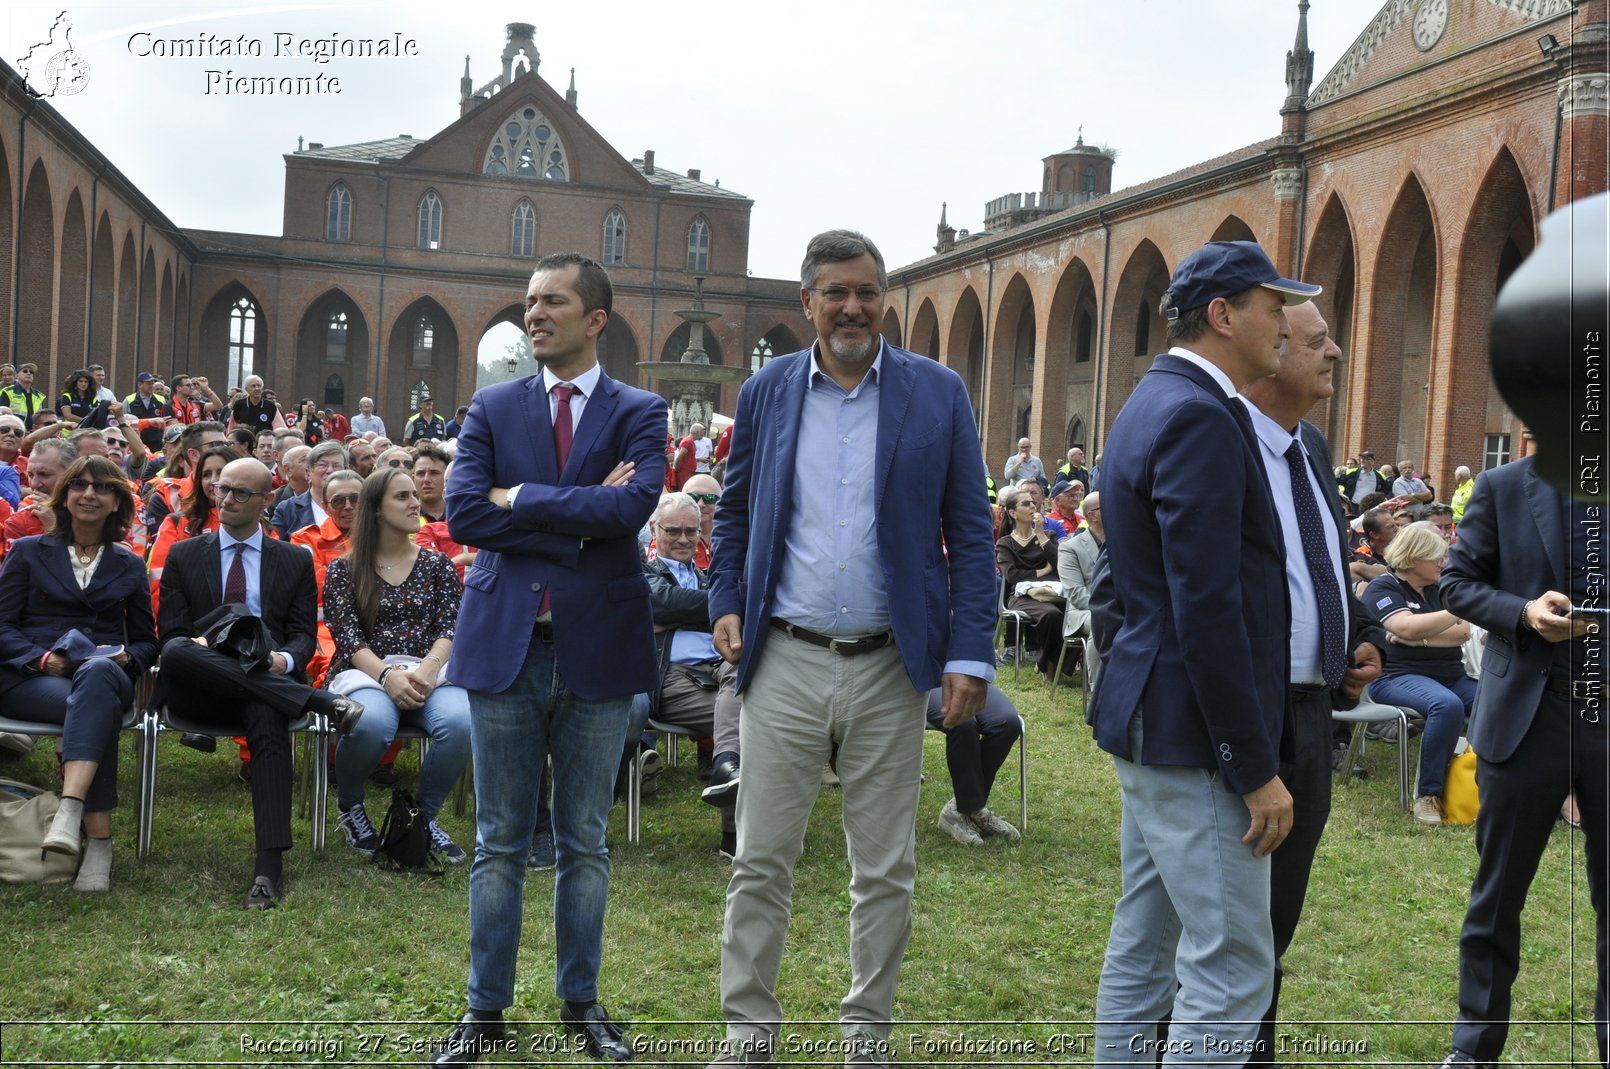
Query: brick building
(397, 255)
(1409, 182)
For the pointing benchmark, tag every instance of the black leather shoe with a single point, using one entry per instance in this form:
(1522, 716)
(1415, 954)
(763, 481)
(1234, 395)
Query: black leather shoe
(723, 789)
(600, 1037)
(344, 715)
(471, 1039)
(264, 894)
(204, 743)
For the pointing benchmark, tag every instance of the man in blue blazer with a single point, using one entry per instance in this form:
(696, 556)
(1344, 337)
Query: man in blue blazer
(1193, 695)
(1526, 557)
(852, 571)
(555, 475)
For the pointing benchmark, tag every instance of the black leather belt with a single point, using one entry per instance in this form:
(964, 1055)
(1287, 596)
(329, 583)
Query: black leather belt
(1576, 689)
(543, 632)
(844, 647)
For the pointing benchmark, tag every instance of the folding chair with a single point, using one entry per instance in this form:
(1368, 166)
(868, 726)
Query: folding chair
(634, 782)
(1018, 620)
(1371, 712)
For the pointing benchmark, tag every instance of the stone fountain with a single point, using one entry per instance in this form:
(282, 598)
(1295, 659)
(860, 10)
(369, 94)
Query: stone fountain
(696, 382)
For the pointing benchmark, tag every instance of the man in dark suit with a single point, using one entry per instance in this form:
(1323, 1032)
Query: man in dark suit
(307, 509)
(853, 572)
(1526, 557)
(1297, 460)
(555, 475)
(273, 581)
(1192, 699)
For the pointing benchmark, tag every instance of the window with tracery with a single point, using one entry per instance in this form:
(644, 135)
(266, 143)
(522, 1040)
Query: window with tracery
(424, 342)
(615, 238)
(335, 338)
(527, 146)
(338, 214)
(430, 221)
(524, 241)
(699, 247)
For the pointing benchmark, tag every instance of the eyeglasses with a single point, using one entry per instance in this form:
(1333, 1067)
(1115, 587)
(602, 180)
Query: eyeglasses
(840, 294)
(405, 465)
(343, 501)
(236, 493)
(78, 486)
(708, 499)
(11, 430)
(680, 532)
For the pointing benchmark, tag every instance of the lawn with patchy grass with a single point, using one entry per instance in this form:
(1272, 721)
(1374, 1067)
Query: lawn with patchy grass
(361, 966)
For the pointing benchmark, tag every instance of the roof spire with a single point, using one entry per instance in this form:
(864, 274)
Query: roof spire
(570, 94)
(944, 206)
(1299, 64)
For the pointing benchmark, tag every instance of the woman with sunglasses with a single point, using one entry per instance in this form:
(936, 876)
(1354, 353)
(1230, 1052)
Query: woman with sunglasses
(76, 631)
(392, 607)
(198, 512)
(1025, 553)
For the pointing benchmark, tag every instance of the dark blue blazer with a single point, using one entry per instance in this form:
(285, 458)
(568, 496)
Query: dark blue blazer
(40, 600)
(293, 514)
(567, 532)
(933, 512)
(1512, 547)
(1197, 568)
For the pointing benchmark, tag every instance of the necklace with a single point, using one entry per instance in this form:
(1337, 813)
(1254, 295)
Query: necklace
(84, 555)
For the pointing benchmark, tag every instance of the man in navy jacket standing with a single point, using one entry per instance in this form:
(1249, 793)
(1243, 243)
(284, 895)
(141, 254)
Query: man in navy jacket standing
(1193, 694)
(554, 637)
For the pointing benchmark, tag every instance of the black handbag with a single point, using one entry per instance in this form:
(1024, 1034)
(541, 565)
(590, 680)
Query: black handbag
(405, 838)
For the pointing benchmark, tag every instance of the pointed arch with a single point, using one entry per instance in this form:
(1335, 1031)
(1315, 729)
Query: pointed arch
(181, 320)
(618, 352)
(527, 145)
(102, 291)
(614, 237)
(36, 297)
(924, 337)
(1009, 393)
(125, 357)
(503, 352)
(331, 339)
(964, 348)
(778, 341)
(423, 347)
(430, 221)
(1066, 381)
(1135, 330)
(73, 290)
(699, 246)
(523, 238)
(1402, 317)
(165, 321)
(891, 327)
(1233, 228)
(338, 213)
(1332, 263)
(235, 337)
(146, 354)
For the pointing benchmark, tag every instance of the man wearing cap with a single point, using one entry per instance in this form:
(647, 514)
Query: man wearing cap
(456, 424)
(426, 424)
(1066, 497)
(1193, 695)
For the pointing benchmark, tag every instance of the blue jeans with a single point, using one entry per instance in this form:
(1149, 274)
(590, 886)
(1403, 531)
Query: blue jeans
(89, 704)
(445, 718)
(514, 734)
(1445, 705)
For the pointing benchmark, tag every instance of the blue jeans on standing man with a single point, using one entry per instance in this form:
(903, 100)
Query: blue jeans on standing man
(514, 733)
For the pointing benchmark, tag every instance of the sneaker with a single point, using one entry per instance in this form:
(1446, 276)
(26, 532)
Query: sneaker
(653, 768)
(1338, 756)
(443, 844)
(541, 851)
(13, 743)
(958, 827)
(1428, 810)
(1383, 730)
(865, 1048)
(989, 824)
(384, 775)
(361, 835)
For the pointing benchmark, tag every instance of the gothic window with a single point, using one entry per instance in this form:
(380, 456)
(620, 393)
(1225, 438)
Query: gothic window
(420, 389)
(338, 214)
(699, 247)
(430, 221)
(335, 391)
(424, 342)
(527, 146)
(761, 354)
(525, 230)
(335, 338)
(615, 238)
(242, 339)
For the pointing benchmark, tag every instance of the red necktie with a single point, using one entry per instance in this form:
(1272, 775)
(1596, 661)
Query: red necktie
(235, 585)
(563, 428)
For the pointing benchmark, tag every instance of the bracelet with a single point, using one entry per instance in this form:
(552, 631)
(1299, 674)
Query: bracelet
(1526, 611)
(384, 672)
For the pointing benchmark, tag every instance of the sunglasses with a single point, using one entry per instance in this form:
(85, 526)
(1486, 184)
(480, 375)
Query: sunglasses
(343, 501)
(406, 465)
(78, 486)
(708, 499)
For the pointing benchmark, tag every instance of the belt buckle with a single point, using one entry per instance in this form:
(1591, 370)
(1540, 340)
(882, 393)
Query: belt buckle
(833, 645)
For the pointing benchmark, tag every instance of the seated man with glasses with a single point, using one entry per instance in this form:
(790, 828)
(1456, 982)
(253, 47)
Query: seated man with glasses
(295, 513)
(11, 435)
(696, 685)
(239, 565)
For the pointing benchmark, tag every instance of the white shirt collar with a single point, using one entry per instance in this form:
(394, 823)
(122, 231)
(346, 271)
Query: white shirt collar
(586, 382)
(1274, 437)
(816, 367)
(1206, 365)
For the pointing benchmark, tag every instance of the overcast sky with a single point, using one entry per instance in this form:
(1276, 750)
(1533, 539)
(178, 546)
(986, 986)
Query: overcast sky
(825, 114)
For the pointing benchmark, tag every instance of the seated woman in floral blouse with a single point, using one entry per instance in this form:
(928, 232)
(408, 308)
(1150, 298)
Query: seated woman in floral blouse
(391, 608)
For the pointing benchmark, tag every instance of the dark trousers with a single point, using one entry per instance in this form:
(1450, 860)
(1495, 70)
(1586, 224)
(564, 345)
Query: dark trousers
(1520, 802)
(976, 749)
(204, 684)
(1308, 779)
(89, 705)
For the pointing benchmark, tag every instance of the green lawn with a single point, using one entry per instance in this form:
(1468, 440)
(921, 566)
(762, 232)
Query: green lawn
(358, 964)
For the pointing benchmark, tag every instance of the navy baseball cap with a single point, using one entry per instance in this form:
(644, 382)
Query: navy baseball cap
(1061, 488)
(145, 376)
(1225, 268)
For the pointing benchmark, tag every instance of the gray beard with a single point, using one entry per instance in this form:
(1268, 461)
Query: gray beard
(851, 354)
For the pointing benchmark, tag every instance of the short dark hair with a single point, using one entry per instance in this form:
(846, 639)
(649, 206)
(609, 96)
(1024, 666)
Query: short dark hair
(118, 522)
(1436, 508)
(429, 448)
(1373, 520)
(192, 434)
(834, 247)
(1194, 323)
(592, 281)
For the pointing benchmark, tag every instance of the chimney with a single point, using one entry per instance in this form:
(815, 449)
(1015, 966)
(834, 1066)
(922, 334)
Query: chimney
(648, 161)
(693, 173)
